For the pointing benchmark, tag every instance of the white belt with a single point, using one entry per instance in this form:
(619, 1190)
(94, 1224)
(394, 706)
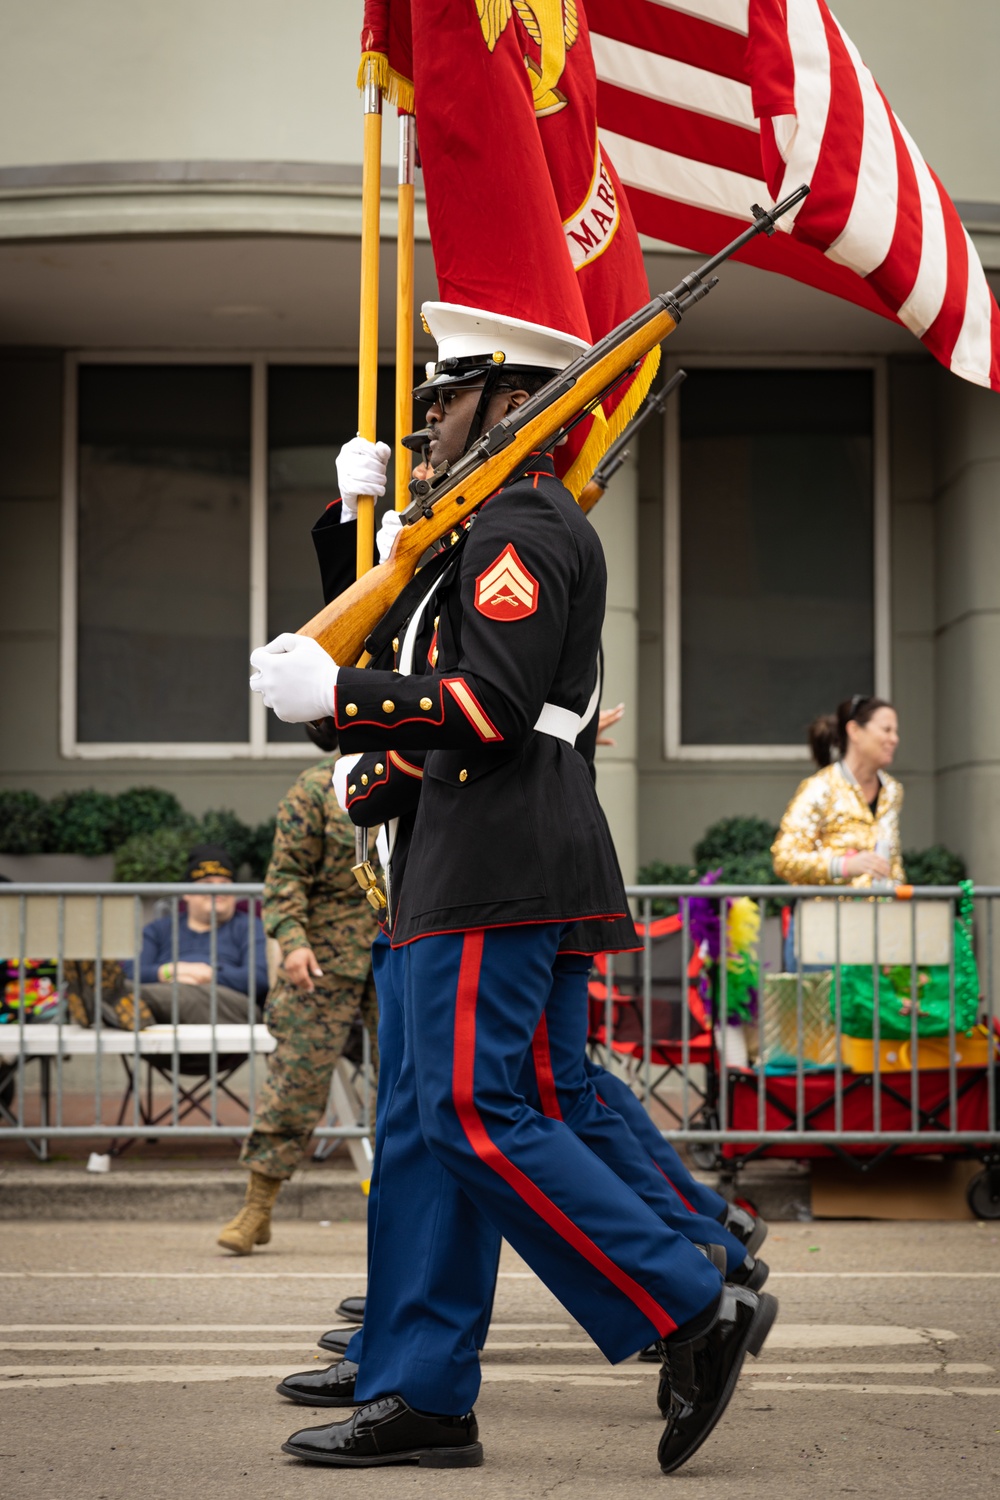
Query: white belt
(560, 722)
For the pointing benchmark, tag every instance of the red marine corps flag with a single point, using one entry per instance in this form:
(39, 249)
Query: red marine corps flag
(710, 105)
(527, 215)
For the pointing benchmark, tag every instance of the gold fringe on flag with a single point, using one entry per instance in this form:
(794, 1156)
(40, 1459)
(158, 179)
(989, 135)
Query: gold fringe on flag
(374, 68)
(606, 430)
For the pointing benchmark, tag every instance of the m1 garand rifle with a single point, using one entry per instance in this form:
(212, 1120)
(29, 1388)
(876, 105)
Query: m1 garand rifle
(455, 491)
(616, 455)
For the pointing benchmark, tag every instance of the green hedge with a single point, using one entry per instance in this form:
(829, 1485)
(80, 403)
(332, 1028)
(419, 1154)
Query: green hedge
(145, 828)
(741, 849)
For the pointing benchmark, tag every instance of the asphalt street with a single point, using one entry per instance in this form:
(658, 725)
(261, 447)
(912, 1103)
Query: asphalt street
(137, 1361)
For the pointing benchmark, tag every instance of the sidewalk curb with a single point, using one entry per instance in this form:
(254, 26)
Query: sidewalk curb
(780, 1191)
(61, 1193)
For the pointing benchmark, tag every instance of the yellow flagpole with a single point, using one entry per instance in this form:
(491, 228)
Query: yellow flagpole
(368, 336)
(404, 307)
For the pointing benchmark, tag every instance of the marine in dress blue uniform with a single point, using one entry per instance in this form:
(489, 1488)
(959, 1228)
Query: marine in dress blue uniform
(406, 1234)
(510, 854)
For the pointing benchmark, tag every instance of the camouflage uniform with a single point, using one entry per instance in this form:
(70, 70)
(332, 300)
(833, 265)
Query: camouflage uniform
(311, 899)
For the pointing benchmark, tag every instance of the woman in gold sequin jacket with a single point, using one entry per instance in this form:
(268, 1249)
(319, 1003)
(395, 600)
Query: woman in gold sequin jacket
(842, 825)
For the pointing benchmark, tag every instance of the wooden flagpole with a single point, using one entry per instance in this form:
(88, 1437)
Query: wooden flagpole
(368, 335)
(404, 307)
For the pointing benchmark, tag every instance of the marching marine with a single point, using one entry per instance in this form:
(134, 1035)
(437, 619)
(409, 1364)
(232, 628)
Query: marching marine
(510, 860)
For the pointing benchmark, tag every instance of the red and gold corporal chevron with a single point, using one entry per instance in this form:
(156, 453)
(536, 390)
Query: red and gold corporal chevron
(506, 590)
(527, 215)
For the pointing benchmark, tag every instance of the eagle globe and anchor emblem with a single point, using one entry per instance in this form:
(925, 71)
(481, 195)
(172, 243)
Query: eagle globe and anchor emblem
(553, 27)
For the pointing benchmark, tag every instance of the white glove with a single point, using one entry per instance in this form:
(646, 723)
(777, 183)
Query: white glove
(341, 775)
(295, 677)
(390, 528)
(360, 471)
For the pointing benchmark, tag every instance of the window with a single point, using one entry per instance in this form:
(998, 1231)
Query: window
(163, 581)
(772, 556)
(191, 491)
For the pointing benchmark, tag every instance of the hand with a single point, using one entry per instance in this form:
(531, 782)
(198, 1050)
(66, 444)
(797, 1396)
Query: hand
(607, 717)
(866, 864)
(186, 973)
(300, 965)
(295, 677)
(387, 533)
(361, 469)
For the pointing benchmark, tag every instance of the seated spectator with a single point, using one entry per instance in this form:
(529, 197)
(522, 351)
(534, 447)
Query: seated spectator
(181, 988)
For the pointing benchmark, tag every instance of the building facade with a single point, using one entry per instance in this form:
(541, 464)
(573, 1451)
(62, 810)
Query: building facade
(818, 514)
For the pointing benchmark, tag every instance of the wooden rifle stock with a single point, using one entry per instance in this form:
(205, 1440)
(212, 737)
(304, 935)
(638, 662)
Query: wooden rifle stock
(441, 504)
(589, 495)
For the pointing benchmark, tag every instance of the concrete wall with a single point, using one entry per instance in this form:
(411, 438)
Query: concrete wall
(31, 415)
(194, 80)
(967, 656)
(616, 520)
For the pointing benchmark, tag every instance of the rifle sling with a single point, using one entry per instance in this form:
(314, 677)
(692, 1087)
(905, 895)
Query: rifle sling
(406, 601)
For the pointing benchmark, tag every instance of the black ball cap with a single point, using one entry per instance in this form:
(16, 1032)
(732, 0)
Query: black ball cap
(208, 860)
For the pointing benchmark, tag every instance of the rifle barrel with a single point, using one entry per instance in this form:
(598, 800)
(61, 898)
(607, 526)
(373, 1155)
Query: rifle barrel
(618, 452)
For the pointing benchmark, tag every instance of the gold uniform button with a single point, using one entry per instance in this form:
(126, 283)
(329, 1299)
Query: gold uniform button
(364, 781)
(379, 769)
(436, 621)
(351, 790)
(463, 775)
(350, 710)
(425, 704)
(395, 643)
(388, 706)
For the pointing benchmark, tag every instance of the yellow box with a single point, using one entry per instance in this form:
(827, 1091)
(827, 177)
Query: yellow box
(972, 1050)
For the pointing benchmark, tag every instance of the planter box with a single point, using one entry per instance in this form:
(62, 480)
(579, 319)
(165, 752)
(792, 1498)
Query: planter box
(38, 868)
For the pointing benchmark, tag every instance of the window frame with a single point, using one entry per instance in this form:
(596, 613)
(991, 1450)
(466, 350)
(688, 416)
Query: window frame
(674, 748)
(257, 747)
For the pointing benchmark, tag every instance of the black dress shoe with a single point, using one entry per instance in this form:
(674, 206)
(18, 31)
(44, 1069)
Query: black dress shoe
(387, 1431)
(700, 1373)
(748, 1229)
(752, 1273)
(333, 1386)
(352, 1310)
(651, 1354)
(337, 1340)
(716, 1254)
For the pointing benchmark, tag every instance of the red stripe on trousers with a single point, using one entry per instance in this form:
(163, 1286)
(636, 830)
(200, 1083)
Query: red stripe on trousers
(687, 1205)
(544, 1076)
(463, 1093)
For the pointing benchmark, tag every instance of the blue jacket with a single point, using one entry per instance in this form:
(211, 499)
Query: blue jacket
(232, 951)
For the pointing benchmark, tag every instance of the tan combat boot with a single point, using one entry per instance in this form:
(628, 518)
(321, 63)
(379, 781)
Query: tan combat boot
(252, 1225)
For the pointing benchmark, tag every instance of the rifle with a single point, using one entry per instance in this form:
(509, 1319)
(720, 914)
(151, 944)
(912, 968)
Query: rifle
(454, 491)
(618, 452)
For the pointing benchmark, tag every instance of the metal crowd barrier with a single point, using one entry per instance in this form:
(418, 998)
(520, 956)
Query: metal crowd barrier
(649, 1019)
(744, 1108)
(99, 924)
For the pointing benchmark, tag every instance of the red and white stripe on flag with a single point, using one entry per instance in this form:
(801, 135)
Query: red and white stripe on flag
(707, 106)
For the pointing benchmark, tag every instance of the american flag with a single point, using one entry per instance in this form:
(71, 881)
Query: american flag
(708, 106)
